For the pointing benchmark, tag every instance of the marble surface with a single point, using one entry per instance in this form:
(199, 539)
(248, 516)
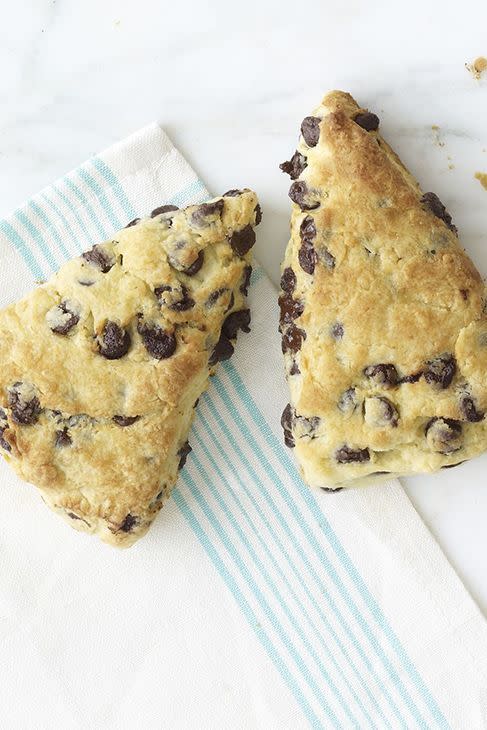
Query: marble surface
(230, 83)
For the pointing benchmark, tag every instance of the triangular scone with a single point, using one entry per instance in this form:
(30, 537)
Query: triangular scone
(101, 367)
(382, 312)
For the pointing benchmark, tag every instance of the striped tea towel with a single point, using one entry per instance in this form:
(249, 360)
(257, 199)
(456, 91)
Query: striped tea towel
(254, 602)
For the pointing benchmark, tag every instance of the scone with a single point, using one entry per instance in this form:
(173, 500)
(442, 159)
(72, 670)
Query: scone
(101, 367)
(383, 322)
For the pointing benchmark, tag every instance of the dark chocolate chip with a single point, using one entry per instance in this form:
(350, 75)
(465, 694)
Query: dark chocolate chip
(294, 369)
(290, 308)
(99, 258)
(440, 370)
(113, 342)
(383, 374)
(73, 516)
(331, 489)
(307, 425)
(128, 524)
(292, 339)
(24, 411)
(196, 265)
(243, 240)
(348, 401)
(434, 204)
(234, 193)
(244, 286)
(63, 438)
(85, 283)
(234, 322)
(215, 296)
(295, 166)
(158, 343)
(4, 444)
(310, 129)
(183, 454)
(125, 420)
(223, 350)
(337, 331)
(288, 280)
(286, 423)
(300, 194)
(69, 322)
(307, 229)
(367, 120)
(380, 412)
(464, 294)
(444, 435)
(347, 455)
(258, 214)
(183, 304)
(469, 410)
(326, 257)
(307, 258)
(132, 223)
(163, 209)
(199, 217)
(411, 378)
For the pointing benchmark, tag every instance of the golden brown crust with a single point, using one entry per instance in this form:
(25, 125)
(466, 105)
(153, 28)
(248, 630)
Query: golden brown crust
(380, 280)
(165, 287)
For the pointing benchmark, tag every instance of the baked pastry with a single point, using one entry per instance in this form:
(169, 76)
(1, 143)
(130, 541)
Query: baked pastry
(383, 322)
(102, 366)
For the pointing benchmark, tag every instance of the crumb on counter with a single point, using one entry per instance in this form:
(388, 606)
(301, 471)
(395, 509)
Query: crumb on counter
(477, 67)
(482, 178)
(436, 136)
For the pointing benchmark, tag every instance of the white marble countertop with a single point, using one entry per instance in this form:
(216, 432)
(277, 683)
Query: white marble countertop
(230, 83)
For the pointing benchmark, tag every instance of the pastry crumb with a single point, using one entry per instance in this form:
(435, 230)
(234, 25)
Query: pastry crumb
(436, 136)
(477, 67)
(482, 178)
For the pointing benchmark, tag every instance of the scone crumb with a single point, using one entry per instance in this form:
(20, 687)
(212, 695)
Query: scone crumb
(482, 178)
(477, 67)
(436, 136)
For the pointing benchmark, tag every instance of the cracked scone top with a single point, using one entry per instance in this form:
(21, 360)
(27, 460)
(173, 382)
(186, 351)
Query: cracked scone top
(383, 322)
(101, 367)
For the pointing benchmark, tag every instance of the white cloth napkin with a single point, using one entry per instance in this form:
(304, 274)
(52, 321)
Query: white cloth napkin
(253, 602)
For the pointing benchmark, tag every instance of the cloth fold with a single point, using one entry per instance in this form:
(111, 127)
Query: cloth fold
(254, 602)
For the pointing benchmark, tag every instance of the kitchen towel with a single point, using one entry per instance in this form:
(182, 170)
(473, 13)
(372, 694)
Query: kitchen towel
(254, 602)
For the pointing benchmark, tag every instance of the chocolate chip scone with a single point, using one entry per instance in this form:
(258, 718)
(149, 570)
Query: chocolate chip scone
(383, 322)
(102, 366)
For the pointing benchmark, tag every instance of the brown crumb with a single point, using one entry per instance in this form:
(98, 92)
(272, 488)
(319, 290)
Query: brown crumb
(482, 178)
(477, 67)
(436, 136)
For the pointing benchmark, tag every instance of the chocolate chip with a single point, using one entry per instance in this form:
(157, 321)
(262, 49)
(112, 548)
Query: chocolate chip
(434, 204)
(290, 308)
(469, 410)
(183, 304)
(73, 516)
(411, 378)
(234, 193)
(258, 214)
(200, 217)
(223, 350)
(24, 404)
(234, 322)
(183, 454)
(113, 342)
(243, 240)
(292, 339)
(347, 455)
(367, 120)
(178, 298)
(306, 425)
(444, 435)
(348, 402)
(383, 374)
(286, 423)
(3, 442)
(125, 420)
(310, 129)
(440, 370)
(464, 294)
(215, 296)
(288, 280)
(300, 194)
(337, 331)
(307, 229)
(244, 286)
(62, 318)
(196, 265)
(295, 166)
(128, 524)
(163, 209)
(99, 258)
(132, 223)
(158, 343)
(380, 412)
(326, 257)
(63, 439)
(307, 258)
(85, 283)
(331, 489)
(294, 369)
